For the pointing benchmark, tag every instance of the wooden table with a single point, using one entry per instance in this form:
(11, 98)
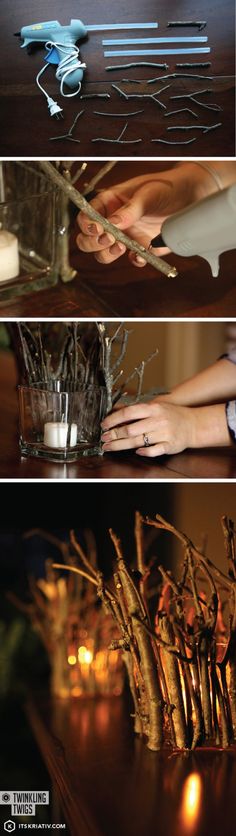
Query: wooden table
(190, 464)
(27, 126)
(124, 291)
(109, 782)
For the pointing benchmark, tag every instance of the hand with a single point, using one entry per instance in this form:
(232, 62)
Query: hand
(139, 206)
(167, 427)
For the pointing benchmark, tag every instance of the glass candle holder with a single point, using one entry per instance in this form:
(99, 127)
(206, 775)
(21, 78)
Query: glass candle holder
(28, 227)
(83, 666)
(61, 425)
(93, 669)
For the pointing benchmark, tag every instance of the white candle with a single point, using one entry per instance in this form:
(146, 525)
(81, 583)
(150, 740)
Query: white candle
(56, 434)
(9, 256)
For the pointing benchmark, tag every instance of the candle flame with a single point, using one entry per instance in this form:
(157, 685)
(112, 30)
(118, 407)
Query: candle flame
(191, 800)
(72, 660)
(85, 656)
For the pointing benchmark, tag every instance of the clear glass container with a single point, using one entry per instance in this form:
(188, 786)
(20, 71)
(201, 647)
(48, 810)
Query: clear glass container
(28, 230)
(61, 425)
(86, 667)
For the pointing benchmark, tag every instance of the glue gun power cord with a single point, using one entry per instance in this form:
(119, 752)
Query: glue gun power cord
(67, 65)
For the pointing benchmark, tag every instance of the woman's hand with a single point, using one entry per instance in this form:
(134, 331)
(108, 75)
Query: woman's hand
(161, 428)
(139, 207)
(152, 429)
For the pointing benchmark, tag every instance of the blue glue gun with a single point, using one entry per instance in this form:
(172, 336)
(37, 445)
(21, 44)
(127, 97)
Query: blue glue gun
(62, 40)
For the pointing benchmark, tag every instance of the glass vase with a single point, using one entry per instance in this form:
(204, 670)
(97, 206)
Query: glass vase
(28, 230)
(59, 423)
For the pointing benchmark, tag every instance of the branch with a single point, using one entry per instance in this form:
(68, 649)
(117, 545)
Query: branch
(97, 177)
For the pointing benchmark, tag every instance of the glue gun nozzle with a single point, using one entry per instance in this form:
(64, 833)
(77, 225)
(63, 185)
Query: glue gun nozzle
(16, 34)
(157, 242)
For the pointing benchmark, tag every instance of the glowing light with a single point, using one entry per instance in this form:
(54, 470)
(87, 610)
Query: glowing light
(72, 660)
(85, 656)
(191, 800)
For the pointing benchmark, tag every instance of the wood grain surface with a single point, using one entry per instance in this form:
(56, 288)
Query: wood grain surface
(116, 782)
(27, 126)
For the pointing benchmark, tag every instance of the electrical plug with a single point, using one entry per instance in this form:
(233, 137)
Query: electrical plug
(55, 109)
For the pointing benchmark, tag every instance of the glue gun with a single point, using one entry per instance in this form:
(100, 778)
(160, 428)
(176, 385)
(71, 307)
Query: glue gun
(206, 228)
(64, 38)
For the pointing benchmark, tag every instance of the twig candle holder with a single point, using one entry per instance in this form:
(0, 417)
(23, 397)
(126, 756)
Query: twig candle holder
(181, 663)
(73, 627)
(70, 378)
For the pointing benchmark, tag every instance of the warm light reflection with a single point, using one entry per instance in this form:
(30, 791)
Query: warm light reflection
(72, 660)
(191, 800)
(85, 656)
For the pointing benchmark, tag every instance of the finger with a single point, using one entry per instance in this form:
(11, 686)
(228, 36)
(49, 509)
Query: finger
(130, 430)
(111, 254)
(161, 449)
(126, 414)
(135, 442)
(104, 203)
(134, 209)
(93, 244)
(122, 444)
(144, 241)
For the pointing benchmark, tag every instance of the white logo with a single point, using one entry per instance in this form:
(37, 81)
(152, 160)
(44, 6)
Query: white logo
(9, 825)
(23, 803)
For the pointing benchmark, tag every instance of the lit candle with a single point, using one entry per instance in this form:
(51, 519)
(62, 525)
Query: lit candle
(9, 256)
(56, 434)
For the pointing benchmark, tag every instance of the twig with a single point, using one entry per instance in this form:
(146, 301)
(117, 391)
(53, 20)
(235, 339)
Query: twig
(192, 97)
(204, 128)
(176, 142)
(173, 682)
(228, 531)
(95, 96)
(137, 64)
(182, 110)
(120, 115)
(177, 75)
(119, 138)
(163, 524)
(69, 134)
(147, 658)
(201, 64)
(200, 24)
(143, 95)
(89, 187)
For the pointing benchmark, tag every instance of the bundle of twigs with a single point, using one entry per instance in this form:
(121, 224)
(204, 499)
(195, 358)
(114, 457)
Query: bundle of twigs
(76, 354)
(181, 663)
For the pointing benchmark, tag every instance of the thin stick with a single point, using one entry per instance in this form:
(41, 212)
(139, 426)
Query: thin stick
(83, 574)
(119, 138)
(120, 115)
(138, 533)
(78, 548)
(177, 142)
(182, 110)
(171, 668)
(228, 531)
(147, 657)
(163, 524)
(137, 64)
(204, 128)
